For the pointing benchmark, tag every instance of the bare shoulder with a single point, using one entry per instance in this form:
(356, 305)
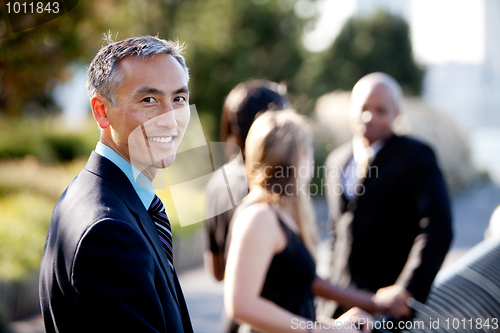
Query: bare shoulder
(257, 218)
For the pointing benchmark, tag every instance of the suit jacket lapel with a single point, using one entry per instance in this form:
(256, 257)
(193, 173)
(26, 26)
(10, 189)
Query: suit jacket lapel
(370, 182)
(106, 169)
(336, 169)
(377, 167)
(151, 233)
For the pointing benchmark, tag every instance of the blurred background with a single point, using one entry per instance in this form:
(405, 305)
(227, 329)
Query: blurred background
(444, 53)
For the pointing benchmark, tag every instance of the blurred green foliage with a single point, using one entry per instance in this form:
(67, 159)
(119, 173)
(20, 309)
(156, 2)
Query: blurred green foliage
(28, 192)
(228, 42)
(34, 171)
(32, 61)
(234, 41)
(44, 139)
(377, 44)
(25, 218)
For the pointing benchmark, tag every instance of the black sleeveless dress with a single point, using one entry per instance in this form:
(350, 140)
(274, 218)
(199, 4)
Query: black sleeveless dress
(290, 276)
(288, 280)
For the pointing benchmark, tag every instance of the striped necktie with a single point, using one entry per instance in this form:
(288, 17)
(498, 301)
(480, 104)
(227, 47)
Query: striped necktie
(160, 219)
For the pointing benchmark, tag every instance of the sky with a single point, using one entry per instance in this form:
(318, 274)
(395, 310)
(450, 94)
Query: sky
(441, 30)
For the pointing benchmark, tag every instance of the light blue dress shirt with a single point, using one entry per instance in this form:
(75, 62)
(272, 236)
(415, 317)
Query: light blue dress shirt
(350, 174)
(145, 190)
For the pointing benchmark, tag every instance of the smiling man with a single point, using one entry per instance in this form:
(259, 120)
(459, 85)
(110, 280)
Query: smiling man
(107, 264)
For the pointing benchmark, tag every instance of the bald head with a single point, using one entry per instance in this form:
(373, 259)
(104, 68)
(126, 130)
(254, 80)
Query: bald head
(374, 106)
(371, 80)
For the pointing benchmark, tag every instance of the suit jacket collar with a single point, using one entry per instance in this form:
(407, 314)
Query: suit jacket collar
(381, 158)
(107, 170)
(345, 153)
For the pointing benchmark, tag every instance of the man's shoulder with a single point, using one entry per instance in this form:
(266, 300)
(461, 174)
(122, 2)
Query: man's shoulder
(89, 198)
(411, 141)
(410, 145)
(89, 189)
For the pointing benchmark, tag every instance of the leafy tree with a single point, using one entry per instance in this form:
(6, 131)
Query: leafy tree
(34, 60)
(233, 41)
(228, 42)
(377, 44)
(29, 63)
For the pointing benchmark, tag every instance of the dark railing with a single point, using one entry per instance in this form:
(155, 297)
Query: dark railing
(465, 297)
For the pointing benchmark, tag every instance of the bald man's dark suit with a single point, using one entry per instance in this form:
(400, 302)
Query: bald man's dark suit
(104, 268)
(399, 230)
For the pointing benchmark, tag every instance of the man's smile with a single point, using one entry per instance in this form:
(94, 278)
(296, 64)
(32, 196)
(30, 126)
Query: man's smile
(162, 139)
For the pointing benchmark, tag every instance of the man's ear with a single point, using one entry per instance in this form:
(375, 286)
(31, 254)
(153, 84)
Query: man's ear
(396, 113)
(99, 110)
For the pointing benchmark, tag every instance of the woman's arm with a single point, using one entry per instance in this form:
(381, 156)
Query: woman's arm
(346, 297)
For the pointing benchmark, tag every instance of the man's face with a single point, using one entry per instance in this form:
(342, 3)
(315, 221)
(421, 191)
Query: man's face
(373, 110)
(151, 112)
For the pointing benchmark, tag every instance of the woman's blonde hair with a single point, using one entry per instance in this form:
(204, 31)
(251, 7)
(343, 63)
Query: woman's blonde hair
(274, 147)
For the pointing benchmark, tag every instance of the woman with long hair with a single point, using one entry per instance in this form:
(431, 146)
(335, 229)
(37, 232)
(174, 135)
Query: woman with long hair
(270, 279)
(242, 105)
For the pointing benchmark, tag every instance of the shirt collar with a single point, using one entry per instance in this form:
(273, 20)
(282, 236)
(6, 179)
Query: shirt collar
(142, 185)
(361, 153)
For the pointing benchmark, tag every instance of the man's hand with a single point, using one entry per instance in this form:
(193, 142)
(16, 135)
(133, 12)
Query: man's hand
(355, 315)
(393, 299)
(358, 316)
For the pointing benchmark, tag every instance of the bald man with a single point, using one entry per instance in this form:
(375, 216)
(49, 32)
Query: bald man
(388, 204)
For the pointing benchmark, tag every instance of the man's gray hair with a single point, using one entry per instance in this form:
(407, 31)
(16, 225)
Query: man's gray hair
(102, 74)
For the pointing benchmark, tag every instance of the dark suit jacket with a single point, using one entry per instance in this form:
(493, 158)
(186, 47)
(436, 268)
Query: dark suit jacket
(399, 229)
(103, 267)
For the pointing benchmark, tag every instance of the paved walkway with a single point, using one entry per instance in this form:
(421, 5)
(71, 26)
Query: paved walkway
(471, 212)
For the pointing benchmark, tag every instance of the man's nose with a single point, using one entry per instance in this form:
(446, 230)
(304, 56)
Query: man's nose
(167, 118)
(366, 117)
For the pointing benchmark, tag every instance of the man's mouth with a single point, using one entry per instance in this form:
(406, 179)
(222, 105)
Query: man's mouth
(162, 139)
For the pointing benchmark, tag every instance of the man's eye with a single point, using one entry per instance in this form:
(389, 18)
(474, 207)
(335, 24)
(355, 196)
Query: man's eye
(180, 99)
(149, 100)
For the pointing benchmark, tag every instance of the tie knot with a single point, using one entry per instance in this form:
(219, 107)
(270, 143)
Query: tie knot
(156, 206)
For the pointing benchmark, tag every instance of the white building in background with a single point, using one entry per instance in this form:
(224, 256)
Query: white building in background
(471, 92)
